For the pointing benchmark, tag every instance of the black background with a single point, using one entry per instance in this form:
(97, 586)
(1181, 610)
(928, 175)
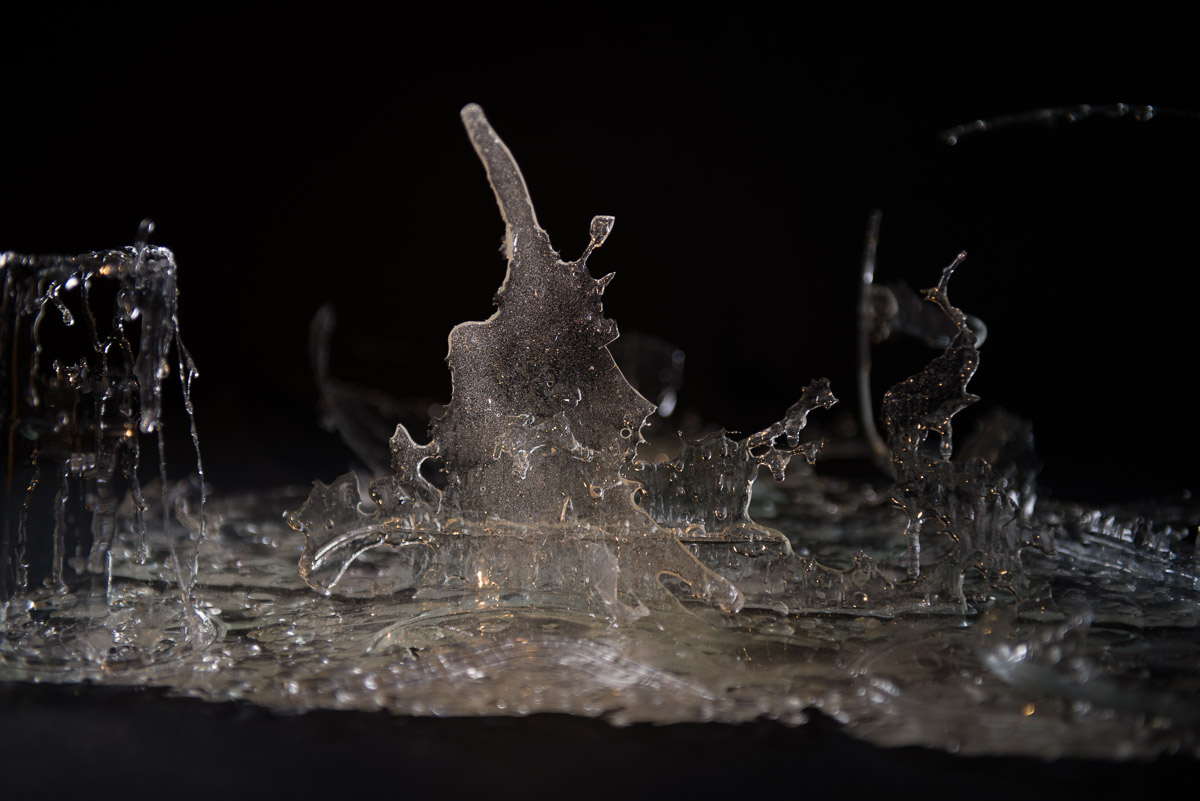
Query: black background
(293, 159)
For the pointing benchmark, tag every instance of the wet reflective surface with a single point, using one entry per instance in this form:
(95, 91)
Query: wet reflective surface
(1101, 664)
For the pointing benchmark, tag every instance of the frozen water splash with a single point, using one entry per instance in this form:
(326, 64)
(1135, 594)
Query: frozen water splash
(525, 560)
(963, 502)
(544, 492)
(532, 444)
(88, 346)
(706, 491)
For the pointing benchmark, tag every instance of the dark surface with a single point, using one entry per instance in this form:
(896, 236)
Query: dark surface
(291, 161)
(109, 743)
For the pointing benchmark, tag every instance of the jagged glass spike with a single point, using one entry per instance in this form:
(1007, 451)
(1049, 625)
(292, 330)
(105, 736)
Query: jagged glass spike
(540, 415)
(964, 500)
(925, 403)
(533, 443)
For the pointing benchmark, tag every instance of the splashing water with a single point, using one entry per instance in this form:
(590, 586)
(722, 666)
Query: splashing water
(79, 422)
(542, 566)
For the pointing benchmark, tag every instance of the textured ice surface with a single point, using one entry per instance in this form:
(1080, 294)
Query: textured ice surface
(526, 560)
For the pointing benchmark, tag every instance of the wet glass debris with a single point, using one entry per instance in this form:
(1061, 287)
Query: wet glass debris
(527, 559)
(90, 344)
(964, 501)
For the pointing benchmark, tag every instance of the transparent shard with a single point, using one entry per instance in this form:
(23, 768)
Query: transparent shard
(525, 558)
